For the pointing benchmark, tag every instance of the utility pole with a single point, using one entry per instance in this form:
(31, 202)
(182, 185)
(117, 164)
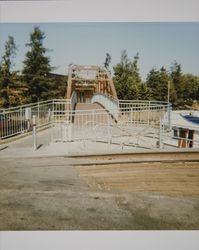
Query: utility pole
(168, 94)
(168, 107)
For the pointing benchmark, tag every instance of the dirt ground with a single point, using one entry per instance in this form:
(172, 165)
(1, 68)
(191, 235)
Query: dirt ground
(173, 179)
(50, 194)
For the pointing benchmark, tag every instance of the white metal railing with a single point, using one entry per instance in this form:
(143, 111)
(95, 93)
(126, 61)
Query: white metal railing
(17, 120)
(81, 125)
(138, 122)
(144, 112)
(135, 111)
(142, 115)
(110, 103)
(101, 123)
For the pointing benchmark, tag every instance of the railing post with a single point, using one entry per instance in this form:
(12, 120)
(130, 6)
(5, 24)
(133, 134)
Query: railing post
(21, 121)
(34, 132)
(38, 117)
(109, 131)
(169, 109)
(160, 135)
(149, 112)
(70, 131)
(93, 123)
(131, 116)
(53, 109)
(51, 120)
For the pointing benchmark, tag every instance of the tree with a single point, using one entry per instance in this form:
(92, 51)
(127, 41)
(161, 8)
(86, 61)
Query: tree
(144, 91)
(37, 67)
(191, 90)
(126, 77)
(107, 61)
(157, 81)
(135, 70)
(18, 92)
(178, 82)
(59, 86)
(6, 76)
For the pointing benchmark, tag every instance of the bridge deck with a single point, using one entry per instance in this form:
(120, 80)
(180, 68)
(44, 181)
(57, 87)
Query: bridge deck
(94, 114)
(88, 106)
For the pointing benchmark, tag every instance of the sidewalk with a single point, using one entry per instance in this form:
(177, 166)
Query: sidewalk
(23, 147)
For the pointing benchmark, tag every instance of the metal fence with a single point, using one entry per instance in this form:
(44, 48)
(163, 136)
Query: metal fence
(138, 123)
(135, 111)
(81, 125)
(101, 124)
(147, 113)
(18, 120)
(141, 124)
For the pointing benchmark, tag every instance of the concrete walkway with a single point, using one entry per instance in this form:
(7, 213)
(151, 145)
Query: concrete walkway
(23, 148)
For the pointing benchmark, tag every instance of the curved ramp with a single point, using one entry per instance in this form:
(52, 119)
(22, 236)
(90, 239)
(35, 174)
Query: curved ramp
(88, 106)
(91, 114)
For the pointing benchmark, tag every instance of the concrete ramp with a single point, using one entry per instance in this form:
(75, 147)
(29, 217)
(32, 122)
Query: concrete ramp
(88, 106)
(90, 114)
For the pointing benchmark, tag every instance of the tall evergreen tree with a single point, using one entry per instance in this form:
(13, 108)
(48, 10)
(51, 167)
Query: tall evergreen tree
(6, 75)
(178, 82)
(191, 90)
(126, 77)
(107, 61)
(145, 93)
(158, 82)
(37, 67)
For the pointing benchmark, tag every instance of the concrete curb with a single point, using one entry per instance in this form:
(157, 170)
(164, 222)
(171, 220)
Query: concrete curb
(2, 147)
(97, 163)
(122, 155)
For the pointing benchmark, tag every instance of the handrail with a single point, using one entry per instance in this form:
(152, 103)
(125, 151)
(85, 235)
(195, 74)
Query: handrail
(73, 100)
(31, 105)
(110, 103)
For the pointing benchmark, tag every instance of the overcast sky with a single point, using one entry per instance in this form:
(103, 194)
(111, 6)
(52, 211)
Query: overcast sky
(158, 44)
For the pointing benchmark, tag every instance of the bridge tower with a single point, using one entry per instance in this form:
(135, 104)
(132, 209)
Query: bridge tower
(88, 80)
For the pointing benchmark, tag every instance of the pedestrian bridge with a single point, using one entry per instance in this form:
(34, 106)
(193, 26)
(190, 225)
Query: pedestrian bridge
(92, 112)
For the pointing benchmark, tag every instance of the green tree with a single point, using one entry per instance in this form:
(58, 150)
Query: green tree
(37, 67)
(59, 86)
(107, 61)
(158, 81)
(145, 93)
(178, 83)
(191, 90)
(127, 78)
(18, 92)
(6, 75)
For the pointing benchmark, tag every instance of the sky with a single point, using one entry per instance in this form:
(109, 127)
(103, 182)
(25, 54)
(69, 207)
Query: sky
(158, 43)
